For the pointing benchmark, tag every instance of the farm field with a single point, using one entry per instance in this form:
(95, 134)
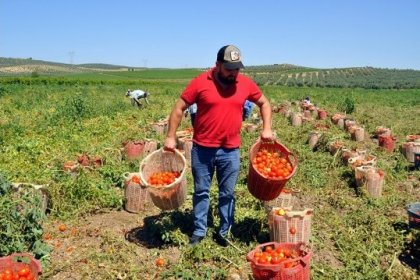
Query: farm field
(47, 121)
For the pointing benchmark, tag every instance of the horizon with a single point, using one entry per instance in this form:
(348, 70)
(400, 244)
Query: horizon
(180, 68)
(322, 35)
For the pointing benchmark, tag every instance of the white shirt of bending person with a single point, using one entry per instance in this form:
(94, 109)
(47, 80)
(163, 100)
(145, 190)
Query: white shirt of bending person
(137, 95)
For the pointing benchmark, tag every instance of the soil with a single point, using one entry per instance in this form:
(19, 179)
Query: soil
(76, 242)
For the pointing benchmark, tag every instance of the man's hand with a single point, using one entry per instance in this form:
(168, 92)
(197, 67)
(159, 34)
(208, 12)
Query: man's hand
(267, 135)
(170, 144)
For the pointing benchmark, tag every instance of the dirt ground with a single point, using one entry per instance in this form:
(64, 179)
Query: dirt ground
(75, 244)
(89, 244)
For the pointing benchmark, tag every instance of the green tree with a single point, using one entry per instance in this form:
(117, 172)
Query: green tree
(347, 106)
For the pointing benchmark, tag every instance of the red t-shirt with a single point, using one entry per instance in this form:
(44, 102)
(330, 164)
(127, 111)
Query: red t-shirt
(219, 111)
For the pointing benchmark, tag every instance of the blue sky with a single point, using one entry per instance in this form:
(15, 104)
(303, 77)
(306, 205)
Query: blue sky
(178, 34)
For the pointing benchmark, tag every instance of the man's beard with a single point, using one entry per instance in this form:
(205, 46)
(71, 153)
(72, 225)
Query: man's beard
(229, 80)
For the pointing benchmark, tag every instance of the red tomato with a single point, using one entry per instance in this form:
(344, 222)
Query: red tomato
(62, 227)
(24, 271)
(163, 178)
(135, 179)
(292, 230)
(276, 260)
(160, 262)
(271, 164)
(263, 260)
(268, 248)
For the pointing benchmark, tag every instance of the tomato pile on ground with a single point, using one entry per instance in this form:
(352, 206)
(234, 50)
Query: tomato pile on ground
(272, 164)
(163, 178)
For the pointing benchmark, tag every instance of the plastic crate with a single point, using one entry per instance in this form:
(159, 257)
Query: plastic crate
(281, 271)
(18, 261)
(413, 211)
(292, 227)
(260, 186)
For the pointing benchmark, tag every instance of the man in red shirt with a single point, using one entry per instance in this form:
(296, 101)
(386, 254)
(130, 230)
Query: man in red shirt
(220, 94)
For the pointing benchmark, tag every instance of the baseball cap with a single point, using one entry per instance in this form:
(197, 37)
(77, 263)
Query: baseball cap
(230, 56)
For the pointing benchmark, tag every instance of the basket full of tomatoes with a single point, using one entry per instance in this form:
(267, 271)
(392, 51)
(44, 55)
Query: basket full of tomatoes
(163, 174)
(287, 225)
(137, 197)
(280, 261)
(19, 266)
(271, 166)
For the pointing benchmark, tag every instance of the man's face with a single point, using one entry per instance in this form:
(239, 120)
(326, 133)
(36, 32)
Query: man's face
(227, 76)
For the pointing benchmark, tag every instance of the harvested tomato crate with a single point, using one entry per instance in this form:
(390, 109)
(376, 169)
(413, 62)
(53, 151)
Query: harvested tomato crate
(292, 268)
(137, 197)
(173, 195)
(18, 261)
(261, 186)
(291, 227)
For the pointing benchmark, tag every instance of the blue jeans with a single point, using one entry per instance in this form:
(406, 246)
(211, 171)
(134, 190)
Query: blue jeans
(204, 161)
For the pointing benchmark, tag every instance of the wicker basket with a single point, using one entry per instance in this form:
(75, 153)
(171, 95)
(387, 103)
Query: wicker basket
(362, 160)
(292, 227)
(284, 200)
(18, 261)
(160, 127)
(137, 197)
(41, 191)
(185, 144)
(374, 182)
(281, 271)
(296, 119)
(387, 142)
(409, 149)
(360, 174)
(259, 185)
(170, 196)
(134, 149)
(335, 147)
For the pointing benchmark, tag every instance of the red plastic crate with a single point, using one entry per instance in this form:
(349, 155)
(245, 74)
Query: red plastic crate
(260, 186)
(18, 261)
(301, 271)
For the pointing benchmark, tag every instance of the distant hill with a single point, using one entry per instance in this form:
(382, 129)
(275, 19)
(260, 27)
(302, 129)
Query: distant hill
(363, 77)
(275, 74)
(26, 66)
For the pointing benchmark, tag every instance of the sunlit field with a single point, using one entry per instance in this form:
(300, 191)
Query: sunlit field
(46, 121)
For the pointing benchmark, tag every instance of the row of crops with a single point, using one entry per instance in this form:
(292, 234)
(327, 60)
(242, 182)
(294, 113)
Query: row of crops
(365, 77)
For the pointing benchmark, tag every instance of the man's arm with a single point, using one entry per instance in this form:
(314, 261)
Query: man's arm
(265, 109)
(173, 123)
